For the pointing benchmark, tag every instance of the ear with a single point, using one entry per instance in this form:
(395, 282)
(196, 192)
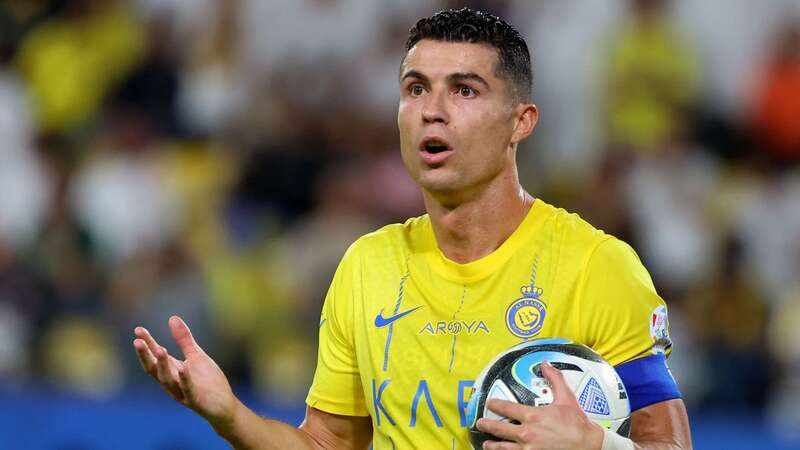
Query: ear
(525, 117)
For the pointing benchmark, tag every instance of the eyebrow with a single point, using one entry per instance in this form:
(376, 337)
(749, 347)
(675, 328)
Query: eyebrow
(414, 74)
(467, 76)
(453, 78)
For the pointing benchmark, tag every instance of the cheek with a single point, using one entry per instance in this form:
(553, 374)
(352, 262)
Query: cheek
(405, 123)
(405, 132)
(405, 111)
(489, 142)
(406, 140)
(487, 130)
(479, 117)
(497, 130)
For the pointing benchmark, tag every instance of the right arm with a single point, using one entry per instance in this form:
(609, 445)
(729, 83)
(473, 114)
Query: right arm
(319, 430)
(199, 384)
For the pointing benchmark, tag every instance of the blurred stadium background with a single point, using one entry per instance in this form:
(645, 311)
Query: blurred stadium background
(214, 158)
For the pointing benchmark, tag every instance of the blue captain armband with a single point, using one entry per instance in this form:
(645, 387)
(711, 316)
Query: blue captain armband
(648, 381)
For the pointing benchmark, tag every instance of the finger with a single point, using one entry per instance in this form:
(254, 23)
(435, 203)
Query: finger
(183, 336)
(497, 445)
(142, 333)
(516, 411)
(186, 384)
(146, 358)
(499, 428)
(167, 376)
(153, 345)
(502, 429)
(562, 393)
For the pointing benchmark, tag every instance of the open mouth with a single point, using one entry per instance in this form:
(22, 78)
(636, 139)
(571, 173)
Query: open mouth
(434, 146)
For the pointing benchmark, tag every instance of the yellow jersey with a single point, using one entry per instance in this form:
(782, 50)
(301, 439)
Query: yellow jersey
(404, 331)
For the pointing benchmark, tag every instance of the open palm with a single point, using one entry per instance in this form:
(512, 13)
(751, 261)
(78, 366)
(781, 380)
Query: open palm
(196, 382)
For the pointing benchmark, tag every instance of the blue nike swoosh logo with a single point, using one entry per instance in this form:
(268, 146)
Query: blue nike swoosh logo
(381, 321)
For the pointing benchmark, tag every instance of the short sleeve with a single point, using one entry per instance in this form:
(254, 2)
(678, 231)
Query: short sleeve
(623, 319)
(337, 384)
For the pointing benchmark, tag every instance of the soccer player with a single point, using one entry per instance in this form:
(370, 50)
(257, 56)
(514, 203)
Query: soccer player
(415, 310)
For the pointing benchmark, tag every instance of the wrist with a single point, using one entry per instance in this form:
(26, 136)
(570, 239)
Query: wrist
(613, 441)
(226, 425)
(596, 436)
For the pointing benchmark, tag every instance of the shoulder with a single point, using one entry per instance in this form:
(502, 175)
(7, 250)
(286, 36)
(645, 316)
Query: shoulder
(592, 253)
(392, 242)
(614, 259)
(578, 239)
(409, 235)
(570, 222)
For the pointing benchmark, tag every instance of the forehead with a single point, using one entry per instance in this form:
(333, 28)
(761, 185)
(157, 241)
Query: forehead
(434, 58)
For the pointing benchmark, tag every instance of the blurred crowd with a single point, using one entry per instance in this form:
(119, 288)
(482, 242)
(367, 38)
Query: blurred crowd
(214, 159)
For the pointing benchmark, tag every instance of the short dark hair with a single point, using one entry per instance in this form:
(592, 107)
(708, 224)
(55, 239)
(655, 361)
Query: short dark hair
(468, 25)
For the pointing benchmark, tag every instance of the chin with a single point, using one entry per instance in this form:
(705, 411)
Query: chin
(439, 185)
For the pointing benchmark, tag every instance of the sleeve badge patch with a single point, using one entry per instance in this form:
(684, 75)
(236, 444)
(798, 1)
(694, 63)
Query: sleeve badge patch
(659, 330)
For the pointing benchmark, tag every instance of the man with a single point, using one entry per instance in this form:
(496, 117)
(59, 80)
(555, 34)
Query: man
(416, 310)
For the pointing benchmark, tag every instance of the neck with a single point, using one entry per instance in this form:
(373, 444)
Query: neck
(473, 228)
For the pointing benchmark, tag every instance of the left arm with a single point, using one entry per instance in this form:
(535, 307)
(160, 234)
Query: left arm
(661, 426)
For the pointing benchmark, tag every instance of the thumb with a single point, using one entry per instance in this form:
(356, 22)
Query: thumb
(183, 336)
(562, 393)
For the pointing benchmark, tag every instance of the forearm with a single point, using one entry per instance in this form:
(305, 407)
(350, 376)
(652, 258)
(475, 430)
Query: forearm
(659, 446)
(662, 426)
(248, 431)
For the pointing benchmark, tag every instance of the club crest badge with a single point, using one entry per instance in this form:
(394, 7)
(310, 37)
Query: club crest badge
(525, 316)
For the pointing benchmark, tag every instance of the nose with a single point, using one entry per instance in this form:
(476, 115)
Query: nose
(435, 109)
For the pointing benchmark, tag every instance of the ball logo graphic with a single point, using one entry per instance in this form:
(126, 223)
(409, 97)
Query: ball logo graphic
(525, 316)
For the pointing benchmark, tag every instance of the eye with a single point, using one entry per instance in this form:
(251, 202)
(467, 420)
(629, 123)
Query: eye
(466, 91)
(416, 89)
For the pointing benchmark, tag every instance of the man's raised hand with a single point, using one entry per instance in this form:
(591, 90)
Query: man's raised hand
(196, 382)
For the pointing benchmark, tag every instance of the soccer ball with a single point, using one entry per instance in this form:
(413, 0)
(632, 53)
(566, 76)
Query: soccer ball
(515, 375)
